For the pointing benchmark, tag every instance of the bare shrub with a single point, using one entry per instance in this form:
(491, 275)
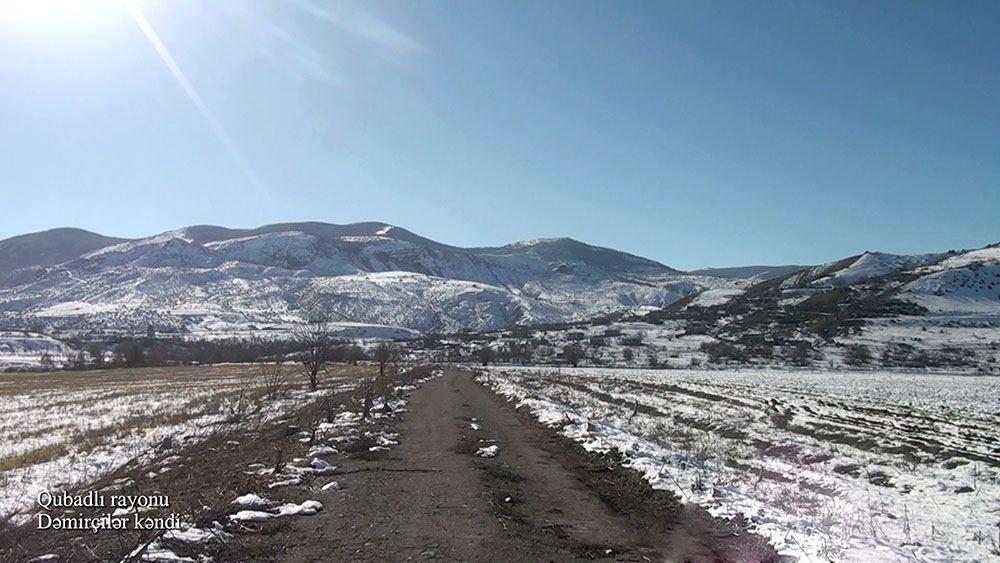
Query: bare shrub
(245, 405)
(723, 352)
(315, 344)
(280, 459)
(858, 355)
(274, 378)
(801, 354)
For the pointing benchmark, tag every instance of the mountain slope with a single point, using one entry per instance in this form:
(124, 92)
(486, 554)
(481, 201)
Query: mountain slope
(865, 266)
(839, 297)
(48, 248)
(929, 311)
(366, 272)
(760, 273)
(967, 282)
(207, 279)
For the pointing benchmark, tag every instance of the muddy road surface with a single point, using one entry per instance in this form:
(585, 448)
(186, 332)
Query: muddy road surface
(540, 498)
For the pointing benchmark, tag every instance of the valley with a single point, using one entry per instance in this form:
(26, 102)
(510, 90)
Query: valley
(372, 281)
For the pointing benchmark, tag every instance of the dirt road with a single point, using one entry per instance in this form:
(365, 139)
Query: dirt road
(541, 498)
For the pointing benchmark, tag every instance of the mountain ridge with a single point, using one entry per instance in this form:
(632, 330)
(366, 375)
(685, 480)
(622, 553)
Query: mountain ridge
(362, 272)
(210, 280)
(202, 234)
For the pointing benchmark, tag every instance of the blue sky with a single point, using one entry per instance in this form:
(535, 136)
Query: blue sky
(694, 133)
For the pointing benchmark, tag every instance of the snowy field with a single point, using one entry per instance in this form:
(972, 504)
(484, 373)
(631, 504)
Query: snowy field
(21, 350)
(845, 466)
(62, 429)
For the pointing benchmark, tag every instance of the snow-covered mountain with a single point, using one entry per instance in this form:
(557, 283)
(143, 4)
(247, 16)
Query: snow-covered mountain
(48, 248)
(849, 271)
(955, 282)
(950, 283)
(208, 278)
(927, 311)
(962, 283)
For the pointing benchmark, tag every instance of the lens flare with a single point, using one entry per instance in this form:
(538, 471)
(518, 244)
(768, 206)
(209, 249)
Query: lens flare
(192, 93)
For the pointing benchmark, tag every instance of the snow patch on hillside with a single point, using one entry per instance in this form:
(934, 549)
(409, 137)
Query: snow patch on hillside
(876, 264)
(974, 288)
(718, 296)
(26, 350)
(986, 256)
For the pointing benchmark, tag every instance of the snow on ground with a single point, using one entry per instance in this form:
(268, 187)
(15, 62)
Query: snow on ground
(667, 342)
(27, 350)
(719, 295)
(488, 451)
(75, 309)
(669, 345)
(58, 430)
(32, 351)
(973, 289)
(966, 283)
(978, 335)
(225, 329)
(307, 508)
(985, 256)
(345, 428)
(860, 466)
(875, 264)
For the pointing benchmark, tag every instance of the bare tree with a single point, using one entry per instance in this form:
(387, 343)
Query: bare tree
(628, 355)
(573, 354)
(520, 352)
(47, 362)
(366, 408)
(858, 355)
(801, 354)
(354, 354)
(131, 354)
(314, 345)
(242, 406)
(79, 360)
(654, 361)
(385, 354)
(485, 354)
(545, 353)
(96, 355)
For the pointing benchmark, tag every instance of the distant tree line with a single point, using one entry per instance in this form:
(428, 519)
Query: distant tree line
(146, 352)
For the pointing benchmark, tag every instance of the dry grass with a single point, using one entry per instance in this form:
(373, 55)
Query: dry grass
(124, 380)
(203, 476)
(33, 457)
(52, 415)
